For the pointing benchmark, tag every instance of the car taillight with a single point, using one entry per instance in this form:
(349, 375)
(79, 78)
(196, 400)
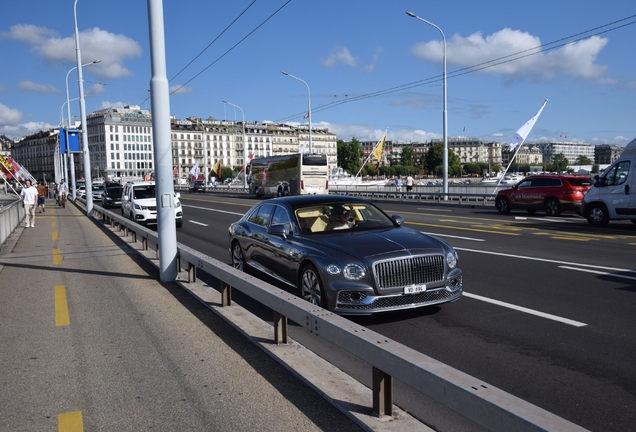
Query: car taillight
(302, 185)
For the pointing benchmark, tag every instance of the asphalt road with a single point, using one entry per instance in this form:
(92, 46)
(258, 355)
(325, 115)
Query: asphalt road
(547, 314)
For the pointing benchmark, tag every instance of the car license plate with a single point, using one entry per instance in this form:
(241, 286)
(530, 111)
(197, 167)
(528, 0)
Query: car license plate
(414, 289)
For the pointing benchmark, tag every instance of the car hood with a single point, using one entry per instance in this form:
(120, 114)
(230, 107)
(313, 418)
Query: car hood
(376, 243)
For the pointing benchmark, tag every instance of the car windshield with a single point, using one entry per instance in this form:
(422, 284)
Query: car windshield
(354, 216)
(113, 191)
(97, 188)
(142, 192)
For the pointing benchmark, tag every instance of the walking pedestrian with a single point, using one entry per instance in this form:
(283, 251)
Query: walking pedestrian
(41, 196)
(409, 183)
(29, 196)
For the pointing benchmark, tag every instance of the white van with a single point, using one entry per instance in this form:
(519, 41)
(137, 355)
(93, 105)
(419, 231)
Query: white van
(613, 195)
(139, 203)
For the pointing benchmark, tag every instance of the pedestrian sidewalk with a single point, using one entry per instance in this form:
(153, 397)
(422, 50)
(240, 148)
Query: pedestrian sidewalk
(90, 335)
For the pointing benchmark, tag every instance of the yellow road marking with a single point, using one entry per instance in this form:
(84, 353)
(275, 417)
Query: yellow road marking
(61, 307)
(57, 257)
(54, 235)
(70, 422)
(462, 229)
(53, 223)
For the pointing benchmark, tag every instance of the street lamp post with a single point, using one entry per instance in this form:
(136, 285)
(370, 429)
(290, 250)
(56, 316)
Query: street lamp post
(87, 157)
(311, 145)
(68, 107)
(445, 174)
(244, 144)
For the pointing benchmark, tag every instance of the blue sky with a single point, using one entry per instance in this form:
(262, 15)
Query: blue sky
(369, 65)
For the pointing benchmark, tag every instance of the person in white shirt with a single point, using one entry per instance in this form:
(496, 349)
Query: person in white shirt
(29, 196)
(409, 183)
(63, 190)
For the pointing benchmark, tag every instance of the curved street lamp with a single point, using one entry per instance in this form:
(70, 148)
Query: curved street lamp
(68, 105)
(311, 145)
(445, 174)
(244, 144)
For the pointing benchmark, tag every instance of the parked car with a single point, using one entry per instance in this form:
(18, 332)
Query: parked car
(197, 186)
(345, 254)
(551, 193)
(97, 191)
(139, 203)
(112, 196)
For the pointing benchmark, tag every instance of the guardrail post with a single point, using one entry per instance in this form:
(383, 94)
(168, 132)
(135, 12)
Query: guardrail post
(112, 223)
(280, 329)
(382, 393)
(157, 251)
(144, 243)
(226, 294)
(134, 236)
(125, 231)
(192, 273)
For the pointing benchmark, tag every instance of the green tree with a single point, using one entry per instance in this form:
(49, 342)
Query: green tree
(595, 169)
(583, 160)
(560, 163)
(435, 159)
(408, 156)
(226, 172)
(349, 155)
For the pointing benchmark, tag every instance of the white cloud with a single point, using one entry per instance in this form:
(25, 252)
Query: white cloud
(576, 59)
(340, 56)
(106, 104)
(95, 44)
(3, 89)
(178, 89)
(8, 116)
(95, 89)
(24, 129)
(40, 88)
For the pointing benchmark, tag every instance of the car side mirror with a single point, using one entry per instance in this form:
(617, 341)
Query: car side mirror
(398, 219)
(178, 195)
(278, 230)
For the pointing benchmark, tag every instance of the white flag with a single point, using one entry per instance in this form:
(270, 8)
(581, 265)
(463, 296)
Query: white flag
(524, 131)
(195, 171)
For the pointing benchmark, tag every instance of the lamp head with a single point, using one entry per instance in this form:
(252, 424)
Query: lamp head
(284, 73)
(97, 61)
(224, 101)
(411, 14)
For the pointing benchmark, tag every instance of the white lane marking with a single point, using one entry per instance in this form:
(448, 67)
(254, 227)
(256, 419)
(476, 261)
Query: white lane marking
(198, 223)
(548, 260)
(214, 210)
(452, 236)
(543, 219)
(432, 209)
(526, 310)
(598, 272)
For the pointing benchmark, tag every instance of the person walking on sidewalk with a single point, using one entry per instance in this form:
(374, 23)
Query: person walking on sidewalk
(63, 189)
(29, 196)
(41, 196)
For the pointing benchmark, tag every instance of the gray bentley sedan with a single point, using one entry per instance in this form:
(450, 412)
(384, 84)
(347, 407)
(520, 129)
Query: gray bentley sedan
(345, 254)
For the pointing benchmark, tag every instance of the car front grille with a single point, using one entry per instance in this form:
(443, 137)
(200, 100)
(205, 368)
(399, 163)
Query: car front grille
(398, 273)
(404, 301)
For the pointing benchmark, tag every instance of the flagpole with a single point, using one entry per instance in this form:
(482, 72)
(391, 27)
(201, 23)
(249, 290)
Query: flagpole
(374, 149)
(519, 138)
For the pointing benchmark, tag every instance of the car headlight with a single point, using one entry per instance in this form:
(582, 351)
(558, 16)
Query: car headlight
(354, 272)
(137, 207)
(333, 269)
(451, 259)
(178, 204)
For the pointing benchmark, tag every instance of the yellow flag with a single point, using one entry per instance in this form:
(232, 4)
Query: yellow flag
(377, 153)
(217, 169)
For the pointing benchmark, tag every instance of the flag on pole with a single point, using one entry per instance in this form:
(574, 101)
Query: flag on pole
(377, 153)
(217, 169)
(174, 171)
(247, 162)
(306, 115)
(524, 131)
(195, 171)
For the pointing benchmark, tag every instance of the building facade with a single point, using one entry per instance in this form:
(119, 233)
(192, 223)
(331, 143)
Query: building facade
(39, 154)
(571, 150)
(524, 155)
(605, 154)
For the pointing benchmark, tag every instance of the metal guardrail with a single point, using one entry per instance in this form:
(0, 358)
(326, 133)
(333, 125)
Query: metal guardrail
(11, 213)
(480, 402)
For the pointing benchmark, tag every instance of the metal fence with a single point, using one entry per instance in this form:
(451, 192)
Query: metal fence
(476, 400)
(11, 213)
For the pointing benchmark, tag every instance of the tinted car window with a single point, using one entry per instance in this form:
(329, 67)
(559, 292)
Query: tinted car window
(114, 192)
(580, 182)
(262, 216)
(281, 217)
(144, 192)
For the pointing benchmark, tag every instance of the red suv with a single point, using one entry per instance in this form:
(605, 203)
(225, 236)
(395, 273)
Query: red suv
(551, 193)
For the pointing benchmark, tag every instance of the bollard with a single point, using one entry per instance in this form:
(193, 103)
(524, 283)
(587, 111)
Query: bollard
(280, 329)
(226, 294)
(382, 393)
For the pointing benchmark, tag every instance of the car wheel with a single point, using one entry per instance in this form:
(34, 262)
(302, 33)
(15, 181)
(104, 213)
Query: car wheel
(179, 223)
(286, 192)
(502, 205)
(238, 259)
(597, 216)
(311, 286)
(279, 193)
(552, 207)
